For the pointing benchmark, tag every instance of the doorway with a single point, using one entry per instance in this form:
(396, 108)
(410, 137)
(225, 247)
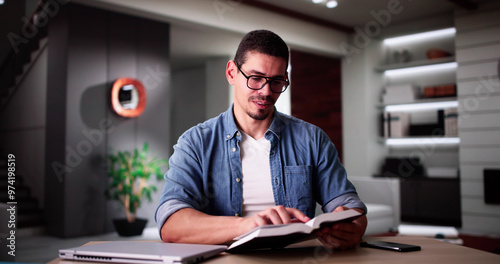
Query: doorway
(316, 93)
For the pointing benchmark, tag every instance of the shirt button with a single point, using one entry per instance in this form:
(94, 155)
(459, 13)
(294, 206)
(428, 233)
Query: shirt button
(238, 134)
(238, 179)
(234, 149)
(228, 136)
(236, 214)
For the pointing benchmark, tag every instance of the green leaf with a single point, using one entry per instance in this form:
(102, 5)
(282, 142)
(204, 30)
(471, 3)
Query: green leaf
(126, 168)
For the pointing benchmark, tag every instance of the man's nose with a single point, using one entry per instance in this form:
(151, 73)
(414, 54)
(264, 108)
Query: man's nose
(266, 89)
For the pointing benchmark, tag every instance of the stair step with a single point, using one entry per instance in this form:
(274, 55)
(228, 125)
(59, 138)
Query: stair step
(29, 232)
(27, 206)
(41, 43)
(15, 72)
(22, 193)
(30, 220)
(19, 77)
(4, 179)
(4, 182)
(4, 174)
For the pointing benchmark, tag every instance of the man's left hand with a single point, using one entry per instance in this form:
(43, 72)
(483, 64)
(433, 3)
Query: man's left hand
(343, 235)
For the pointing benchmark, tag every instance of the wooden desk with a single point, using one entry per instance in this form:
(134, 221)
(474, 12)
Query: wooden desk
(311, 252)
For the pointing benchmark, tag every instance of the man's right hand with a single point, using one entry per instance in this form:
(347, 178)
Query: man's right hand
(191, 226)
(275, 215)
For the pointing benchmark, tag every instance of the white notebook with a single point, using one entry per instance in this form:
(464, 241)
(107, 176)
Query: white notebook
(142, 252)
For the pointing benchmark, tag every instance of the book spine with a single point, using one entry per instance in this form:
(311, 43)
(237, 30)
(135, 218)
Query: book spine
(398, 124)
(450, 122)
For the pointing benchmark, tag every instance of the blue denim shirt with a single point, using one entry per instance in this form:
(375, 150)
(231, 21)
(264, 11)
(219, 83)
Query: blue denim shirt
(205, 169)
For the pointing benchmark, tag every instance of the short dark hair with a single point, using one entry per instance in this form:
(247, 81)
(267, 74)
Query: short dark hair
(262, 41)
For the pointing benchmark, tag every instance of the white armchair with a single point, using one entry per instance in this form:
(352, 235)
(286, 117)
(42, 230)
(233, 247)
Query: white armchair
(381, 196)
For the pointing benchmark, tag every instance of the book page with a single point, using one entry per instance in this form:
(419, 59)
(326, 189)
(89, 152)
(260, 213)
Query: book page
(278, 236)
(276, 230)
(331, 218)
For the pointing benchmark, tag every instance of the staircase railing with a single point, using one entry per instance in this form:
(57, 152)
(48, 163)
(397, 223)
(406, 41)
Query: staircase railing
(25, 43)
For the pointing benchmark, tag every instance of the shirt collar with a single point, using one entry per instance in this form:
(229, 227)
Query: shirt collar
(277, 124)
(231, 130)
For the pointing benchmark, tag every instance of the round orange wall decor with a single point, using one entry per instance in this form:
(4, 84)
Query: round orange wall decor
(128, 97)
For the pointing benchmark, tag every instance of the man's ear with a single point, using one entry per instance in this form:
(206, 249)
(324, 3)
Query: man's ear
(231, 71)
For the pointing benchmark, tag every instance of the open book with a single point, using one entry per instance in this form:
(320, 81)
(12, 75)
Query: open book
(279, 236)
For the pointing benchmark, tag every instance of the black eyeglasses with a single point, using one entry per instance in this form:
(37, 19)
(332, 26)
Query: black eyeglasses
(256, 82)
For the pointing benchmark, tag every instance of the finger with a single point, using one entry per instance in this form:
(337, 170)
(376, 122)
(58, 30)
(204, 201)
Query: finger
(284, 214)
(328, 233)
(341, 235)
(341, 208)
(297, 214)
(330, 242)
(345, 227)
(274, 217)
(259, 220)
(338, 238)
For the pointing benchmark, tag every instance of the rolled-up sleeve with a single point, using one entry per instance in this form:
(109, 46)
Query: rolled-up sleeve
(166, 209)
(350, 200)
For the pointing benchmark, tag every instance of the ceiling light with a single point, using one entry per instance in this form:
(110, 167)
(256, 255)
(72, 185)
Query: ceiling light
(332, 4)
(314, 1)
(421, 36)
(2, 2)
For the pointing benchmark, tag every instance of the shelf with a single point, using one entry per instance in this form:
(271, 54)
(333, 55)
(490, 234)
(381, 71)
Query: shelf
(418, 63)
(419, 141)
(411, 73)
(421, 104)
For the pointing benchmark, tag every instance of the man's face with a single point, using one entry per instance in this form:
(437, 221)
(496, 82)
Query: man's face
(257, 104)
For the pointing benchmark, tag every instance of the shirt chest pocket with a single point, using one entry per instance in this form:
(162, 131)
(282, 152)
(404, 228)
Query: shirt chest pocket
(299, 188)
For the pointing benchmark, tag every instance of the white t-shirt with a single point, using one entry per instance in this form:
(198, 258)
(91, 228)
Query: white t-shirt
(257, 187)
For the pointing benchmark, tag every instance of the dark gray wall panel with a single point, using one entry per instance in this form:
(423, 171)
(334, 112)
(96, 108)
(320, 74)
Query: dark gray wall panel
(91, 48)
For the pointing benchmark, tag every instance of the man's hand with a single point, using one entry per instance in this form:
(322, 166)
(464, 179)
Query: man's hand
(275, 215)
(192, 226)
(343, 235)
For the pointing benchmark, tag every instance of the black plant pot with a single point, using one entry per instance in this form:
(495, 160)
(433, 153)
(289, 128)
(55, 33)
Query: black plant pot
(124, 228)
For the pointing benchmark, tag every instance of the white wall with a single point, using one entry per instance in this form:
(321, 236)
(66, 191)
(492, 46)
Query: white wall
(199, 93)
(478, 56)
(361, 89)
(217, 88)
(188, 100)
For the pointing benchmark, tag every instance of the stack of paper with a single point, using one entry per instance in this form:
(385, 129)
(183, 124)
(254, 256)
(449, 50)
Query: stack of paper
(405, 93)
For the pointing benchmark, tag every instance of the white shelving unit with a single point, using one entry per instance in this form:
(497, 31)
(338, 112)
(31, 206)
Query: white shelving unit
(436, 156)
(421, 72)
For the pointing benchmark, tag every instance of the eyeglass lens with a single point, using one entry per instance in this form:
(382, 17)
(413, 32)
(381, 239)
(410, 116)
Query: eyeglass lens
(257, 82)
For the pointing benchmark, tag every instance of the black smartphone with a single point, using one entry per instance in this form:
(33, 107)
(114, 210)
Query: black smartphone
(390, 246)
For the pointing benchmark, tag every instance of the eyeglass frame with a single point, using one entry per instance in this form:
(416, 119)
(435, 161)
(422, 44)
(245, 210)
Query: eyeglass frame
(287, 82)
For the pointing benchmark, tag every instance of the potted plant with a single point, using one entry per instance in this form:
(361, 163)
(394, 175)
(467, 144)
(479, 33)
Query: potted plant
(129, 173)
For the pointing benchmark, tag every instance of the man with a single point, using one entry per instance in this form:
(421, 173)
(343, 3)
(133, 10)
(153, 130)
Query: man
(254, 166)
